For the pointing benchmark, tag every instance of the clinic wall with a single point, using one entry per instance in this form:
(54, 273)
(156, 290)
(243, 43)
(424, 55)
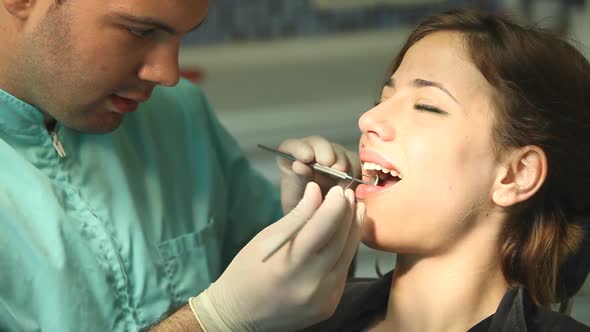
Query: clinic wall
(264, 20)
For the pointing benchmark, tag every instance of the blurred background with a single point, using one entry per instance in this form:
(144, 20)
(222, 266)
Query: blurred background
(278, 69)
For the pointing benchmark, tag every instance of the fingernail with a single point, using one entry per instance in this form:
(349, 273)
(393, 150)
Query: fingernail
(349, 194)
(308, 187)
(337, 189)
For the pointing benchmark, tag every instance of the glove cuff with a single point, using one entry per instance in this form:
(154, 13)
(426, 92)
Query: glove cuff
(205, 311)
(206, 314)
(192, 306)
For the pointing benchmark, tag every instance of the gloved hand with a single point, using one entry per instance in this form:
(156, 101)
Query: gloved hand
(301, 284)
(295, 175)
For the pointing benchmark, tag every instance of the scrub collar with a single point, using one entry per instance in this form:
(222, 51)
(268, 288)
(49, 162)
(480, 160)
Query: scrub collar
(16, 114)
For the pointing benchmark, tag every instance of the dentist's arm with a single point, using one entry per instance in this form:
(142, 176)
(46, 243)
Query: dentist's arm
(183, 320)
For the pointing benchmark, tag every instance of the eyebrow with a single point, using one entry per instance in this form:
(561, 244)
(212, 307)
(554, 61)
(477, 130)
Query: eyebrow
(144, 20)
(420, 83)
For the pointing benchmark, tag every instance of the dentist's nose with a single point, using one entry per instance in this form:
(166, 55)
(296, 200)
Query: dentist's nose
(375, 123)
(161, 65)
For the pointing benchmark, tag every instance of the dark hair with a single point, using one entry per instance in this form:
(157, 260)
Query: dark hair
(542, 98)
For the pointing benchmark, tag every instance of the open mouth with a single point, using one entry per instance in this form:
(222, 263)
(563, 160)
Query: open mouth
(380, 176)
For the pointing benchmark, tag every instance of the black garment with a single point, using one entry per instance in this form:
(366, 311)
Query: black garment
(363, 301)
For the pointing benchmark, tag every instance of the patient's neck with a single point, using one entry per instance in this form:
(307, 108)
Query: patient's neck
(451, 291)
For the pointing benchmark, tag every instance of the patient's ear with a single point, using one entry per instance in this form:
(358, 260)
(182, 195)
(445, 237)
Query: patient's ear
(19, 8)
(522, 173)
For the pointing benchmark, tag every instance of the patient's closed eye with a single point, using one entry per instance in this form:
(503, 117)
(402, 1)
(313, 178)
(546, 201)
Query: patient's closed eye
(420, 107)
(429, 108)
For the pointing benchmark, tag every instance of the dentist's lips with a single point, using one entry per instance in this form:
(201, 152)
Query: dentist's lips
(123, 105)
(364, 191)
(129, 103)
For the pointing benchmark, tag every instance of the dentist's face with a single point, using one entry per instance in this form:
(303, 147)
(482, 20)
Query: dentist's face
(87, 63)
(433, 127)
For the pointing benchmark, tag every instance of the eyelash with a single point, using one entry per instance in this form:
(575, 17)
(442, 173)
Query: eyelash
(429, 108)
(422, 107)
(139, 33)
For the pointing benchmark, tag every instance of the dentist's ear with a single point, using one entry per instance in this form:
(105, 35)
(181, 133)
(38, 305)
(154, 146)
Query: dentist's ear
(523, 172)
(20, 9)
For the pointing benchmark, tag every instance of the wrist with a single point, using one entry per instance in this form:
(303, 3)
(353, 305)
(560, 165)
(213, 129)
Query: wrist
(206, 313)
(194, 311)
(210, 316)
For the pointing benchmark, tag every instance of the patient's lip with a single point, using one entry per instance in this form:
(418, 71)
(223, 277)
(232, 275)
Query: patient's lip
(367, 155)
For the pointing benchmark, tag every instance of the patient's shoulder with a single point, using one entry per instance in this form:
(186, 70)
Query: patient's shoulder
(547, 320)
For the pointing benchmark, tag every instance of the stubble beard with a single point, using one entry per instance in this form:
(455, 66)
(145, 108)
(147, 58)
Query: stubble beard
(46, 66)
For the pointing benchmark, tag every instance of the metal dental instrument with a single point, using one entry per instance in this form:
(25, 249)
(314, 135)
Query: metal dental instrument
(316, 166)
(322, 169)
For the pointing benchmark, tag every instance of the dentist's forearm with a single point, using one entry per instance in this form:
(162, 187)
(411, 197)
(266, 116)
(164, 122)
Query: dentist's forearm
(183, 320)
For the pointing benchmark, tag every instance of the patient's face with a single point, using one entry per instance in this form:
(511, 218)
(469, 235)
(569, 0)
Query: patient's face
(433, 126)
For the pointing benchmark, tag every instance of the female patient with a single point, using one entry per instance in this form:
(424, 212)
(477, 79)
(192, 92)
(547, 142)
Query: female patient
(482, 143)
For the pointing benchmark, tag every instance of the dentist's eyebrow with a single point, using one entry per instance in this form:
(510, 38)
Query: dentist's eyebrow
(420, 83)
(148, 21)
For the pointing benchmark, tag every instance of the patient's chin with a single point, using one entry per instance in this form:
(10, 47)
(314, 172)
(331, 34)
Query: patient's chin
(368, 237)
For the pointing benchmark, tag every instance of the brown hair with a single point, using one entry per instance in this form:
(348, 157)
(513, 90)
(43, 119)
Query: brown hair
(542, 89)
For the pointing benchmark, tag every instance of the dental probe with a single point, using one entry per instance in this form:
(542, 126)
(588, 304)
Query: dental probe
(320, 168)
(316, 166)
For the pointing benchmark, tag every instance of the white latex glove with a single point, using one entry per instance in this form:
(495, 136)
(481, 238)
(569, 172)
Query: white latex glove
(296, 175)
(301, 284)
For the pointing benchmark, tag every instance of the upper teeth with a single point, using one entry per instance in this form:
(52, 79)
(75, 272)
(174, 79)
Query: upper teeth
(373, 166)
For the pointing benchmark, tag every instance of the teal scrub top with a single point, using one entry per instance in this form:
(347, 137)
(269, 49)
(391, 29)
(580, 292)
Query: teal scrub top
(130, 224)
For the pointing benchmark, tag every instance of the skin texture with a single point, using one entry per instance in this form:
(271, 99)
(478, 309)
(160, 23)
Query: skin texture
(89, 53)
(443, 218)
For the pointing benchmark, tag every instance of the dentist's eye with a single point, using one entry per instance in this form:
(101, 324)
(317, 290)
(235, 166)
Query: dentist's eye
(142, 33)
(430, 108)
